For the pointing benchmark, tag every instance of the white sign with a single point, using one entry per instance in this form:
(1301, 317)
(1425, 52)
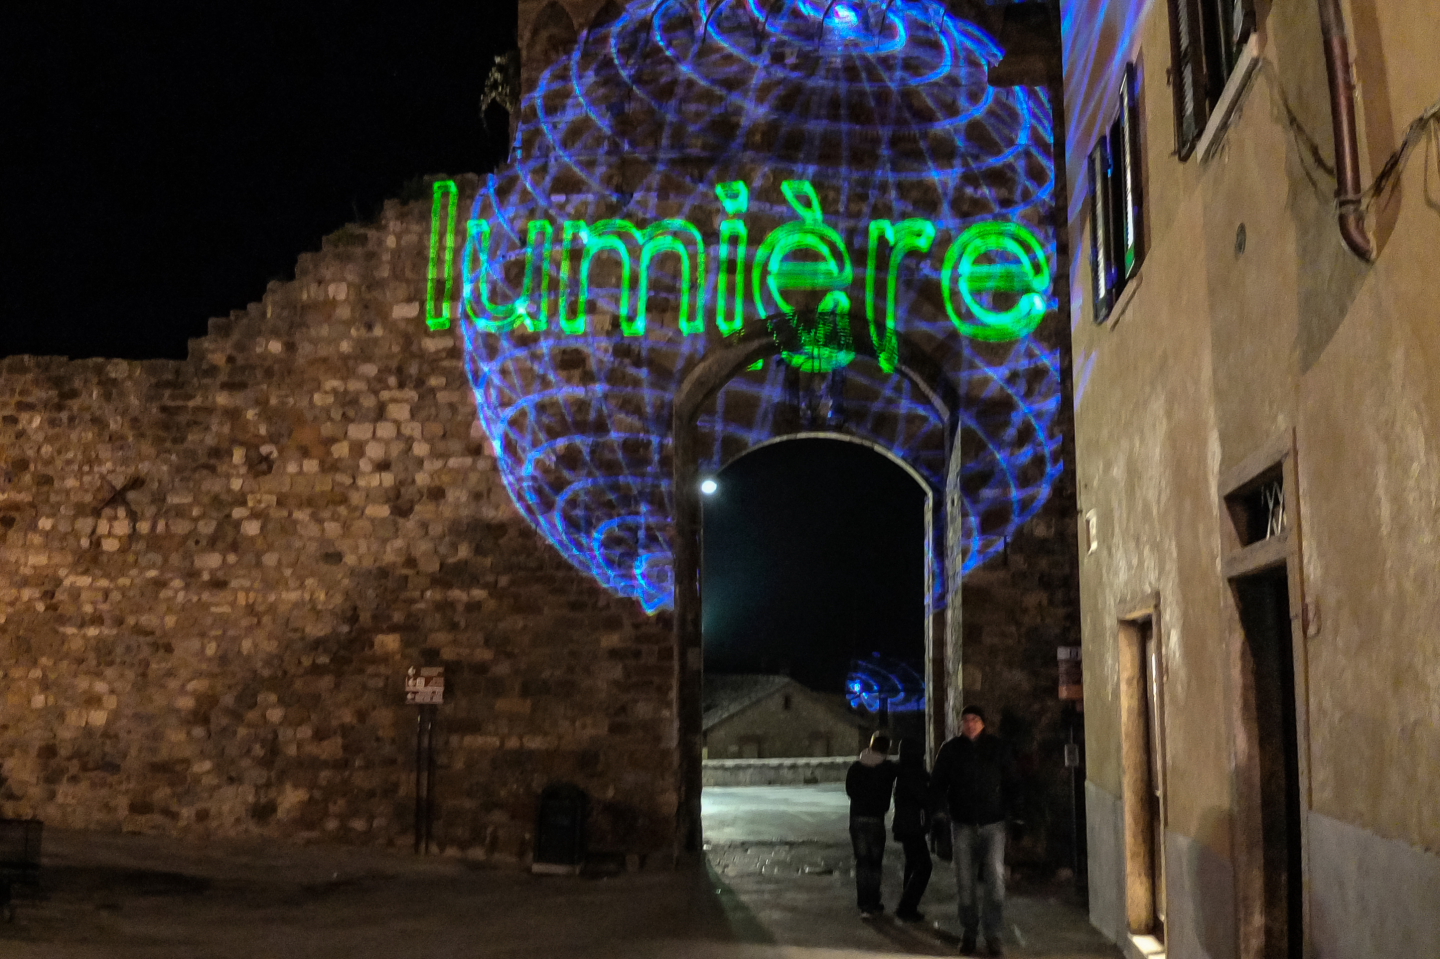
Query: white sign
(425, 686)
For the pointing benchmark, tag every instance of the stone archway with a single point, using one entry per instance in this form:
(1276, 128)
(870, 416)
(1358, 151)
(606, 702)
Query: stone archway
(759, 340)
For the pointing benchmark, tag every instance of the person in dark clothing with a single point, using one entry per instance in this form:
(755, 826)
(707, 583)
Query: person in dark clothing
(975, 774)
(868, 784)
(911, 824)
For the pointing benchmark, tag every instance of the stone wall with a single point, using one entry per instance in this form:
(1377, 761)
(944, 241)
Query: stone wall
(775, 772)
(215, 573)
(1007, 622)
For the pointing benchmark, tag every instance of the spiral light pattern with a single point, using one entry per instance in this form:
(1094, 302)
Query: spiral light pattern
(878, 681)
(882, 105)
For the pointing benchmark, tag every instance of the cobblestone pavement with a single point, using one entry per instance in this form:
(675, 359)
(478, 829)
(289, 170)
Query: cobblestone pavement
(115, 896)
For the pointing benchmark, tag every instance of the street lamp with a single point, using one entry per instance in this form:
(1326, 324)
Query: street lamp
(708, 486)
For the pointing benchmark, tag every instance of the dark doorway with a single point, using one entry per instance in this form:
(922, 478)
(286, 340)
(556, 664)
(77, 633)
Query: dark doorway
(1268, 662)
(1154, 772)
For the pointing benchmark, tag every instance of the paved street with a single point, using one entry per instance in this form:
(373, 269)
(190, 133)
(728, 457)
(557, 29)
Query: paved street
(777, 886)
(780, 813)
(783, 853)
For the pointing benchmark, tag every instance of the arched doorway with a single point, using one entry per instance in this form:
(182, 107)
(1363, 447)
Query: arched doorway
(786, 334)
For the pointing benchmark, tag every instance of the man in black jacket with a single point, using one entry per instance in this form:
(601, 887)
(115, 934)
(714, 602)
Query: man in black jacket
(975, 774)
(868, 784)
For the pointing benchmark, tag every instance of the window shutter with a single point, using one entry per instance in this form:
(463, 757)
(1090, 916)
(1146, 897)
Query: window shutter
(1132, 245)
(1187, 74)
(1100, 242)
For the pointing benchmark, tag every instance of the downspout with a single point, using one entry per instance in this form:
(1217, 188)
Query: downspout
(1342, 116)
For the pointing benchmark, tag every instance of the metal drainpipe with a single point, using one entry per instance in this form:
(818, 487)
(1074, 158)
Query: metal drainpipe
(1342, 115)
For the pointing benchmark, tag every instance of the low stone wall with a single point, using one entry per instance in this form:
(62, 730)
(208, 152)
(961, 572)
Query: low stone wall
(775, 772)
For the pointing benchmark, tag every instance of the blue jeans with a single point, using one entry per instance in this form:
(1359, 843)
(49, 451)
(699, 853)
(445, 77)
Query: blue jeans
(867, 836)
(980, 853)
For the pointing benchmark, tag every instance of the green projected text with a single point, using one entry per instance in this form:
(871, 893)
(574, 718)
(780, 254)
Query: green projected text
(995, 277)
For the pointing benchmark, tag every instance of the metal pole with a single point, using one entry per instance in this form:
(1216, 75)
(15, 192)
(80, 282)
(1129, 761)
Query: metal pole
(419, 774)
(429, 776)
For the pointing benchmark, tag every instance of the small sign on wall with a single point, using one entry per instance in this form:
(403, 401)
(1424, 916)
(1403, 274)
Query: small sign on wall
(1071, 673)
(425, 686)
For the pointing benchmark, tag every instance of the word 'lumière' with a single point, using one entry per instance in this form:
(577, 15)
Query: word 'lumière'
(999, 270)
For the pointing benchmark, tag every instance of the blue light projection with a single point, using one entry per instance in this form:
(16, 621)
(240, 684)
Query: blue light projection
(695, 165)
(883, 681)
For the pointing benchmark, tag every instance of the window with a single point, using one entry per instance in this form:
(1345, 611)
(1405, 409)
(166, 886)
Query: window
(1117, 229)
(1206, 37)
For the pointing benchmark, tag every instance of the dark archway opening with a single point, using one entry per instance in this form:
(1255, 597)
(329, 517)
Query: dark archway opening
(814, 609)
(813, 573)
(814, 557)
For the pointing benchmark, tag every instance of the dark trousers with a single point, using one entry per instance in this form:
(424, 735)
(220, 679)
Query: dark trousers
(917, 874)
(867, 836)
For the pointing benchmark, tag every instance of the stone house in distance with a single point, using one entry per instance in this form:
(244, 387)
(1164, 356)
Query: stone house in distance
(774, 717)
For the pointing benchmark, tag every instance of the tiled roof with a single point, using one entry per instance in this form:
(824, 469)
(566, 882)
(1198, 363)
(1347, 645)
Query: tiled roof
(724, 695)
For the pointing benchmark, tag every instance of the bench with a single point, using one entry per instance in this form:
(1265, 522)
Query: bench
(19, 857)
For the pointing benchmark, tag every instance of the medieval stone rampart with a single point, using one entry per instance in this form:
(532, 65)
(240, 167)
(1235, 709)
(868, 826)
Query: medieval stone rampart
(214, 574)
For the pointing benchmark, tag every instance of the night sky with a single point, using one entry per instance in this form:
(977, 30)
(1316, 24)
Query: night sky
(163, 161)
(814, 555)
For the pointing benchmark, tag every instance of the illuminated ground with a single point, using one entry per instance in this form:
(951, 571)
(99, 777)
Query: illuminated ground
(779, 885)
(783, 852)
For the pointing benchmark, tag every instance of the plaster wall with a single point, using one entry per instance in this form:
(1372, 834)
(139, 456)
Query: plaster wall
(1105, 844)
(1373, 897)
(215, 573)
(1213, 353)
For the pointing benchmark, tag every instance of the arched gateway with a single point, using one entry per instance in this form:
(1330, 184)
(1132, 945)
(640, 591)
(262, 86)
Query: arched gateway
(718, 214)
(723, 221)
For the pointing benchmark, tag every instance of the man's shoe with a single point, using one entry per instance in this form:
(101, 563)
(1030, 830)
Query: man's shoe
(967, 946)
(993, 948)
(914, 915)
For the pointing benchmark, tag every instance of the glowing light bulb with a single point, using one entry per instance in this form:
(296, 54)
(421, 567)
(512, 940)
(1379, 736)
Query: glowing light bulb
(708, 487)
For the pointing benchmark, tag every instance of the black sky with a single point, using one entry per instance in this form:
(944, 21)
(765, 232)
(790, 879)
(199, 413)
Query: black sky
(814, 555)
(163, 160)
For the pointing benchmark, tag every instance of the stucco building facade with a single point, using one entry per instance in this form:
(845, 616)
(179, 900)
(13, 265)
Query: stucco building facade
(1257, 414)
